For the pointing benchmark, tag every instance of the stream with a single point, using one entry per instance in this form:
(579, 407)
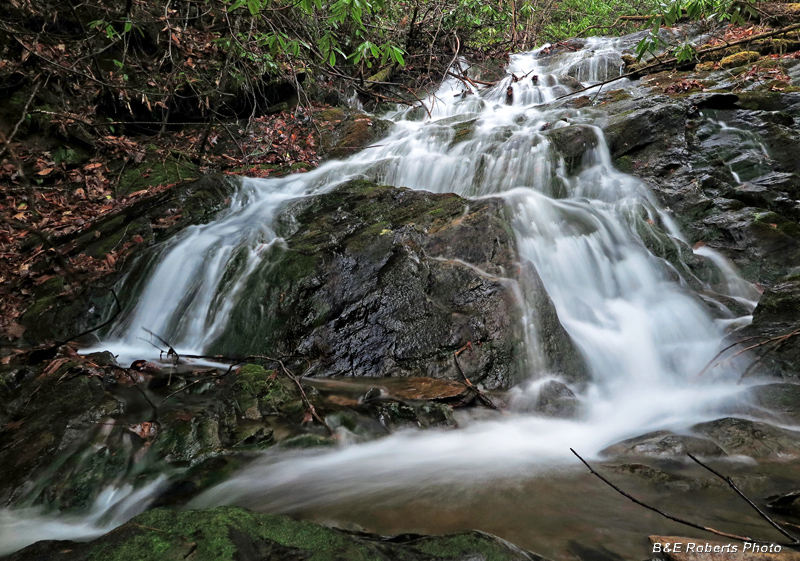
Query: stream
(642, 333)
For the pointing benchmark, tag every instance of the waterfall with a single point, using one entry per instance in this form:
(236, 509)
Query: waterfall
(643, 336)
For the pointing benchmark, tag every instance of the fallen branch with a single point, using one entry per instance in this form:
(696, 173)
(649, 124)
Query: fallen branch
(760, 512)
(237, 361)
(473, 81)
(660, 512)
(483, 397)
(779, 341)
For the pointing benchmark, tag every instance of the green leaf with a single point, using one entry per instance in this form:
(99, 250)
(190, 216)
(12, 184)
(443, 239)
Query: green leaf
(254, 6)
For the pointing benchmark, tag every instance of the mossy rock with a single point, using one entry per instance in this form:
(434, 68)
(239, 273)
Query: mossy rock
(351, 132)
(739, 59)
(152, 173)
(705, 66)
(372, 282)
(55, 315)
(235, 534)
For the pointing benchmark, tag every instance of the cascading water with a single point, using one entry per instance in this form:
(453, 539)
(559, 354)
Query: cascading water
(643, 336)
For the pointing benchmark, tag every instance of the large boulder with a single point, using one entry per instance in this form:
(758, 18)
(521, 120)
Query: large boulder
(724, 164)
(663, 444)
(378, 281)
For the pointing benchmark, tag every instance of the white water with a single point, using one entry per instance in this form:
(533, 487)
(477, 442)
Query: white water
(643, 336)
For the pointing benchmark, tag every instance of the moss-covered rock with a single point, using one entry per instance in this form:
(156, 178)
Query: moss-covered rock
(373, 281)
(345, 132)
(235, 534)
(154, 173)
(739, 59)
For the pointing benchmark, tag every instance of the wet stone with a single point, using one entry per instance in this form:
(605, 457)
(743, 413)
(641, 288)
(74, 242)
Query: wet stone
(751, 438)
(663, 444)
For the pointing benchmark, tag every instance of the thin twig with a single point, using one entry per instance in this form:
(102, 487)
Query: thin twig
(657, 511)
(484, 398)
(760, 512)
(24, 114)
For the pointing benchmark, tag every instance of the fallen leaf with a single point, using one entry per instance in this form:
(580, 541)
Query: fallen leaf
(144, 430)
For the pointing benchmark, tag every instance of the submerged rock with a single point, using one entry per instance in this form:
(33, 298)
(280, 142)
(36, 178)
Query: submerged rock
(663, 444)
(787, 503)
(235, 534)
(751, 438)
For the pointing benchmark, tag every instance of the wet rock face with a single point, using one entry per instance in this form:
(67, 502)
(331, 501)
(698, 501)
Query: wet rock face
(378, 281)
(344, 132)
(724, 164)
(235, 534)
(775, 319)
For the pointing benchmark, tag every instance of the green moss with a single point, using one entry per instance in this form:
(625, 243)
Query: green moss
(70, 155)
(739, 59)
(618, 95)
(624, 164)
(307, 441)
(333, 114)
(257, 381)
(456, 546)
(150, 174)
(463, 132)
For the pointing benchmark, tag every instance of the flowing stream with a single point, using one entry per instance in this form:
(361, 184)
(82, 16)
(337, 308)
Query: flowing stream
(642, 334)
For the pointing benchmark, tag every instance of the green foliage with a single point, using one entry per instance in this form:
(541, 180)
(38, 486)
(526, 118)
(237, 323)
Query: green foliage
(328, 19)
(668, 13)
(590, 17)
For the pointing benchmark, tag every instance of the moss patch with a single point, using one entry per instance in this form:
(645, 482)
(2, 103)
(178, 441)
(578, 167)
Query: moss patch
(229, 534)
(739, 59)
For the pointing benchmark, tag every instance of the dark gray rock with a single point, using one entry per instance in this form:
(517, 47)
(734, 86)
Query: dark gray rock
(787, 503)
(379, 281)
(782, 399)
(556, 400)
(777, 316)
(688, 149)
(572, 143)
